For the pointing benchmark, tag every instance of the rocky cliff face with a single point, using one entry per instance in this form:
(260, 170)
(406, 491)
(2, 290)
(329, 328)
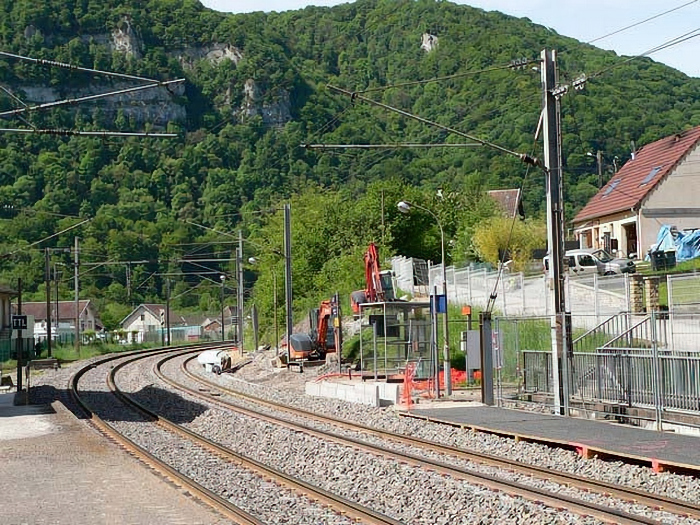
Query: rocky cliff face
(214, 53)
(125, 40)
(157, 106)
(273, 114)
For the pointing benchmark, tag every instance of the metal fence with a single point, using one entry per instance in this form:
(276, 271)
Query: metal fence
(411, 275)
(628, 360)
(517, 294)
(684, 292)
(646, 362)
(8, 349)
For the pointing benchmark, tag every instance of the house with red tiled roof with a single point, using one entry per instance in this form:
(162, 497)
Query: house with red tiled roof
(659, 185)
(509, 202)
(62, 317)
(147, 321)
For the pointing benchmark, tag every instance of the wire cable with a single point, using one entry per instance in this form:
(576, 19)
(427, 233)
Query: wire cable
(641, 22)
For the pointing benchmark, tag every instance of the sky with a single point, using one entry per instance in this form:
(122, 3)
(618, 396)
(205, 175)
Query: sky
(583, 20)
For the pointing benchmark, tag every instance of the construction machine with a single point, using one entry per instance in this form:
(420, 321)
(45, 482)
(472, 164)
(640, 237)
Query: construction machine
(319, 341)
(379, 285)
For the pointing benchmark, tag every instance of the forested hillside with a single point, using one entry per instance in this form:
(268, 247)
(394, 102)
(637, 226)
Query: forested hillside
(255, 91)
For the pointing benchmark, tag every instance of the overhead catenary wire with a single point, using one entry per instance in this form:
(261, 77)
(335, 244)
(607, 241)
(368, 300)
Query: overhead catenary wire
(440, 79)
(73, 67)
(72, 132)
(88, 98)
(355, 96)
(386, 146)
(642, 22)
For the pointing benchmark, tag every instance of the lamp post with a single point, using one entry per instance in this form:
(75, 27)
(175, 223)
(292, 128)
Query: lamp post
(223, 331)
(405, 207)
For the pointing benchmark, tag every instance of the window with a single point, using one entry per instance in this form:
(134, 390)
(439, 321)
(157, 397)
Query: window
(651, 175)
(586, 260)
(143, 317)
(603, 256)
(611, 187)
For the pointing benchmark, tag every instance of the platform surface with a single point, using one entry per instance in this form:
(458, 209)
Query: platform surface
(616, 439)
(55, 470)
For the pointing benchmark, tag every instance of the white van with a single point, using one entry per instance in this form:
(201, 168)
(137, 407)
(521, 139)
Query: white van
(585, 261)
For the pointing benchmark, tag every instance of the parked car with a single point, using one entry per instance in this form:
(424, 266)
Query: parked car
(585, 261)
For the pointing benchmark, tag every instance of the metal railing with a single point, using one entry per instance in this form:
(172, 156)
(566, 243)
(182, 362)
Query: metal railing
(636, 367)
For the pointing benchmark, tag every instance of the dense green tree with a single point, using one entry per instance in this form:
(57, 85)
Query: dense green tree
(242, 121)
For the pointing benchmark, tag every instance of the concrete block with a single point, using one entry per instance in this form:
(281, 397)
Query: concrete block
(389, 392)
(312, 389)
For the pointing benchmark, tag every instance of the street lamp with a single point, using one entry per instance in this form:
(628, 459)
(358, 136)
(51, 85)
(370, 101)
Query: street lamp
(405, 207)
(599, 161)
(253, 260)
(223, 279)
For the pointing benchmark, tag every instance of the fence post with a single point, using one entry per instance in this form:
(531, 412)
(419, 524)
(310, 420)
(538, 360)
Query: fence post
(596, 299)
(657, 381)
(503, 294)
(486, 358)
(469, 284)
(671, 311)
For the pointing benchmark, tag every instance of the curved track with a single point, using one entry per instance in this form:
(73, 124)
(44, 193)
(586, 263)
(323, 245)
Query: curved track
(575, 505)
(321, 497)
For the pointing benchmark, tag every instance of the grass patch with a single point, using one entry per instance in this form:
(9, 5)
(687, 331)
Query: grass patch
(68, 354)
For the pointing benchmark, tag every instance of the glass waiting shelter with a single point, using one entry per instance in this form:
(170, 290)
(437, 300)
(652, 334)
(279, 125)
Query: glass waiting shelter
(393, 334)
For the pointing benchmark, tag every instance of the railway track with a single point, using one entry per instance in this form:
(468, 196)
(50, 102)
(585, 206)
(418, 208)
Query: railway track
(347, 510)
(576, 505)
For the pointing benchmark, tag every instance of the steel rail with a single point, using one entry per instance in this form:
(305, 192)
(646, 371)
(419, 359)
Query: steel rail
(216, 502)
(337, 503)
(670, 505)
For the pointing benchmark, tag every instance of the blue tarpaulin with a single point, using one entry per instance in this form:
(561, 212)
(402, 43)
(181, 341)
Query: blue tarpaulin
(685, 243)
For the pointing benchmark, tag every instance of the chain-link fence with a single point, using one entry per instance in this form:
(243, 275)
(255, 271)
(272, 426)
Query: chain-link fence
(516, 294)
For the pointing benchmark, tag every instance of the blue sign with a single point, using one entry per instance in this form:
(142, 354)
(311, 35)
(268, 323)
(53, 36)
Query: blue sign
(441, 304)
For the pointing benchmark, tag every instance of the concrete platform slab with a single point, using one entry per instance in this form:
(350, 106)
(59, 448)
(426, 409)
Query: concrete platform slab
(55, 469)
(660, 450)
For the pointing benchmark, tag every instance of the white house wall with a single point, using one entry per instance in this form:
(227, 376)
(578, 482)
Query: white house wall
(148, 323)
(676, 201)
(596, 229)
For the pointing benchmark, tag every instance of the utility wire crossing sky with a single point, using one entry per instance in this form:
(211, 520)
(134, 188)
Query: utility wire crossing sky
(617, 21)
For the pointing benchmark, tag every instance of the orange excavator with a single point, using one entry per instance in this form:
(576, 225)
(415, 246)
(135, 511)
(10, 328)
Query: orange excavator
(319, 341)
(379, 286)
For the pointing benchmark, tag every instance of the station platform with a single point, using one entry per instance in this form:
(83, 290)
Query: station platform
(661, 451)
(55, 469)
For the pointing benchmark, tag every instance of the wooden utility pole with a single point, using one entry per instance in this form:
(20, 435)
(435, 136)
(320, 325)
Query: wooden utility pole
(555, 226)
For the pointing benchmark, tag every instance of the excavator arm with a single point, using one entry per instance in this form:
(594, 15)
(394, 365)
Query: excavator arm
(378, 284)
